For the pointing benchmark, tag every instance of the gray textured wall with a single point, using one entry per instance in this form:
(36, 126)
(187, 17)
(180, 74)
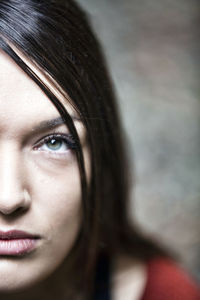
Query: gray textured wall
(152, 48)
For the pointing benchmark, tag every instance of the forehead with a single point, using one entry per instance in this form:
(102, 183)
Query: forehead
(19, 93)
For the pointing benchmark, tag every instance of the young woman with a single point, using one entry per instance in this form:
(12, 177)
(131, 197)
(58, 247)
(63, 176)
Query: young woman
(64, 226)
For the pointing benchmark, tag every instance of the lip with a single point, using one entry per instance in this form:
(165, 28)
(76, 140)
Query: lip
(17, 242)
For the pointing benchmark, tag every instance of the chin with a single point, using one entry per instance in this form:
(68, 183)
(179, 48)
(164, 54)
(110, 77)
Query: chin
(15, 284)
(14, 278)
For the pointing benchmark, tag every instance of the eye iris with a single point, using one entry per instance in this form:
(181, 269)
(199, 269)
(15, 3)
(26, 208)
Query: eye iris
(54, 144)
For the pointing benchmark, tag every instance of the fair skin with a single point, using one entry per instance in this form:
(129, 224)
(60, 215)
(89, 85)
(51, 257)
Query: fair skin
(129, 277)
(41, 183)
(40, 190)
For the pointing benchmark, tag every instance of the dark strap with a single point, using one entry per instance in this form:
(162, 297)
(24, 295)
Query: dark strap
(102, 280)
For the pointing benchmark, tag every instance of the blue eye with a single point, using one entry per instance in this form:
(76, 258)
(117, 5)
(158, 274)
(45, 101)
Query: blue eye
(58, 143)
(55, 144)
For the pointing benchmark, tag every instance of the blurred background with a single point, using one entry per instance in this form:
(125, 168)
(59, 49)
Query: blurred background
(152, 48)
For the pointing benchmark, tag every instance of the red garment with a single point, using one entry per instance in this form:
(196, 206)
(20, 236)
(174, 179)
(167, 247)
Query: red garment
(167, 281)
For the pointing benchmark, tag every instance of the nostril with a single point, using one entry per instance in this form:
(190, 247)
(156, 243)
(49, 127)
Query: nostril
(19, 211)
(13, 213)
(14, 204)
(13, 207)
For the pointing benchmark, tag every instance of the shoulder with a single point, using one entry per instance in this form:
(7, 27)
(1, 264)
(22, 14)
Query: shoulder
(166, 280)
(128, 279)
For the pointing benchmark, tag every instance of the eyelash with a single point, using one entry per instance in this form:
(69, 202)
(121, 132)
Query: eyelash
(68, 139)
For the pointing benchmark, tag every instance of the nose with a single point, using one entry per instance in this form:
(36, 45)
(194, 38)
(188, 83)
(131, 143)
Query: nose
(13, 195)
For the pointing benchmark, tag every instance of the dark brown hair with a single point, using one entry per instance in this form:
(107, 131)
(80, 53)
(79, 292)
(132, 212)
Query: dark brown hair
(56, 36)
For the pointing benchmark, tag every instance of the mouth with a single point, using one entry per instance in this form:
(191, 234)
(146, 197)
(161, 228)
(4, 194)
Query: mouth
(17, 243)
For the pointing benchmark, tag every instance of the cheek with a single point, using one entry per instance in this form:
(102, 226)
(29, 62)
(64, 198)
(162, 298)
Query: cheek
(56, 195)
(55, 214)
(56, 205)
(53, 180)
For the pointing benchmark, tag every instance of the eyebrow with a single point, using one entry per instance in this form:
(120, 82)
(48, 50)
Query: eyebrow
(50, 124)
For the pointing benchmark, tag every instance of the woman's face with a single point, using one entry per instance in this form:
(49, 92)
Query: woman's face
(40, 190)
